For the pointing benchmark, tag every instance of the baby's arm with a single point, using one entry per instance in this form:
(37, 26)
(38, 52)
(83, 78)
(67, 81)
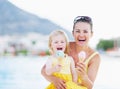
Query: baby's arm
(51, 69)
(48, 68)
(73, 71)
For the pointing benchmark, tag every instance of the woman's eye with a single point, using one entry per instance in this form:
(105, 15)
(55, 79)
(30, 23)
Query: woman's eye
(85, 31)
(77, 31)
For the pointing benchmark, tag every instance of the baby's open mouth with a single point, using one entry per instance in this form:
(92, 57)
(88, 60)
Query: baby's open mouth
(59, 48)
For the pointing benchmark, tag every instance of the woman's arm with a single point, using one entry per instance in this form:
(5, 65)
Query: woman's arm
(89, 77)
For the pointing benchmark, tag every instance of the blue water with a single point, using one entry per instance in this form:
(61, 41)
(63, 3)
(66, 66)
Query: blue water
(24, 73)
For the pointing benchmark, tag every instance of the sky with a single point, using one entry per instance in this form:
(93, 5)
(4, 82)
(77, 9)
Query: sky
(104, 13)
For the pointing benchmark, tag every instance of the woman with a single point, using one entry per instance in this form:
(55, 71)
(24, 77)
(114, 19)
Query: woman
(87, 69)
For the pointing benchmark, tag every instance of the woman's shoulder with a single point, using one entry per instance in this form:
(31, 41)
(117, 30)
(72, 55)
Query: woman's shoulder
(71, 43)
(94, 57)
(95, 53)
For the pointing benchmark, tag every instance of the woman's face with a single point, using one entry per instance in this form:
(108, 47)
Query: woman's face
(82, 33)
(58, 43)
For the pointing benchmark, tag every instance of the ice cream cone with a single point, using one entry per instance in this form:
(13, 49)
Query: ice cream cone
(60, 55)
(82, 55)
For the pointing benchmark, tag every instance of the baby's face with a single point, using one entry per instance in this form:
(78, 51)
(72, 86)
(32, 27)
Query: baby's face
(58, 43)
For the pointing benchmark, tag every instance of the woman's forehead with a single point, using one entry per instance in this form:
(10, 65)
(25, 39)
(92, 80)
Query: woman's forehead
(82, 25)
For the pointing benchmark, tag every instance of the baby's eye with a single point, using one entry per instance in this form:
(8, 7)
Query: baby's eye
(55, 42)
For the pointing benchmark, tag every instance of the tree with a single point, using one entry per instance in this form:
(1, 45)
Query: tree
(105, 44)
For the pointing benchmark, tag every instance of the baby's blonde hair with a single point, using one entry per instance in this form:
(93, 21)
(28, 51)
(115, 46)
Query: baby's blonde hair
(55, 33)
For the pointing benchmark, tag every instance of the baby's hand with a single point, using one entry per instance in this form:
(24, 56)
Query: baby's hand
(57, 68)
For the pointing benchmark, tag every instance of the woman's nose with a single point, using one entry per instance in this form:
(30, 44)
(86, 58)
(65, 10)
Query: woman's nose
(81, 34)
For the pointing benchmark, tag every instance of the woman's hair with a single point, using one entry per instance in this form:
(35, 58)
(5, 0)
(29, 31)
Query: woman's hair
(56, 33)
(85, 19)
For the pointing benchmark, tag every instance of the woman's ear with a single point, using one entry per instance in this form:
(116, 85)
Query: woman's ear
(72, 32)
(91, 34)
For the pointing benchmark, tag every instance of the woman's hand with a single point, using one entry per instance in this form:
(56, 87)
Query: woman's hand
(59, 83)
(81, 69)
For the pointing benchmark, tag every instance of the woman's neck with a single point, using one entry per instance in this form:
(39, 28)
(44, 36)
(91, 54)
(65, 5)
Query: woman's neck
(81, 48)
